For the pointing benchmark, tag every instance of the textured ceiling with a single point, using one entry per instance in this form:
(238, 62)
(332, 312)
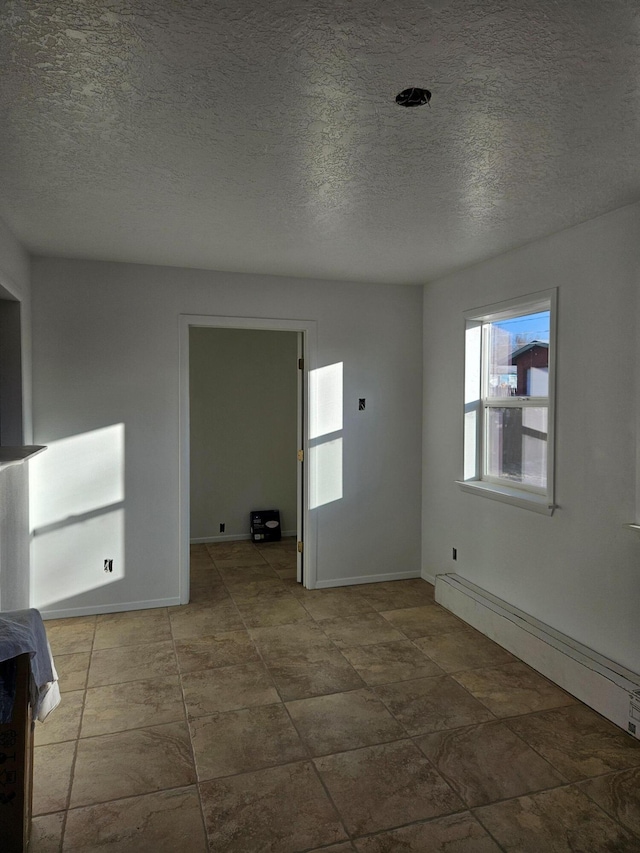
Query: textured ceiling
(264, 137)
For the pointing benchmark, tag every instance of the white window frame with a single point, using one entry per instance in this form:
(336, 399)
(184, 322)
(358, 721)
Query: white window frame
(474, 479)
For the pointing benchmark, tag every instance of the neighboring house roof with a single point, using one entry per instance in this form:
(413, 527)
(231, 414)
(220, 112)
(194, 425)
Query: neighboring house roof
(517, 353)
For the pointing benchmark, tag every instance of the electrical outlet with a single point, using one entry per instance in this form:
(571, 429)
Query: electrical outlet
(222, 527)
(108, 566)
(454, 553)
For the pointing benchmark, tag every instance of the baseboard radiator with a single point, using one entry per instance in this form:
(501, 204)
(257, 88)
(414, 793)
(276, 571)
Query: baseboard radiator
(605, 686)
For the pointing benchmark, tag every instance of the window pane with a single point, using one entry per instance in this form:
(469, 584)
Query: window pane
(517, 444)
(470, 444)
(519, 356)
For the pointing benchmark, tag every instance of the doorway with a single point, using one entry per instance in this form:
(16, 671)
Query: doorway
(202, 514)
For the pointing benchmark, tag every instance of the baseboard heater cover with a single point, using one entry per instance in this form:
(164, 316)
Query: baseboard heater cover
(607, 687)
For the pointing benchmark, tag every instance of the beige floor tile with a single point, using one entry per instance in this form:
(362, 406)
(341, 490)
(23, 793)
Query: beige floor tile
(487, 763)
(131, 663)
(152, 823)
(207, 593)
(315, 673)
(242, 741)
(286, 571)
(63, 723)
(257, 588)
(52, 776)
(458, 833)
(46, 833)
(362, 629)
(286, 640)
(239, 561)
(619, 795)
(463, 649)
(393, 595)
(203, 569)
(343, 721)
(200, 565)
(334, 603)
(132, 629)
(132, 705)
(562, 820)
(385, 786)
(229, 550)
(72, 671)
(346, 847)
(426, 705)
(228, 688)
(513, 689)
(240, 574)
(578, 742)
(388, 662)
(425, 621)
(224, 648)
(200, 620)
(277, 552)
(266, 611)
(134, 762)
(279, 810)
(70, 636)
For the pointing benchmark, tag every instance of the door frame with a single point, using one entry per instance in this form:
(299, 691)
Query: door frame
(306, 519)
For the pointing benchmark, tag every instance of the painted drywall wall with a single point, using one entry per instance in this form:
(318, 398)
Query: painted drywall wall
(106, 373)
(243, 424)
(579, 570)
(14, 523)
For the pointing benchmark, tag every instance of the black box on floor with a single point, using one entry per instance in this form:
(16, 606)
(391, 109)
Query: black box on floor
(265, 525)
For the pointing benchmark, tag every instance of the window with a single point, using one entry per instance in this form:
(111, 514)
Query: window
(509, 391)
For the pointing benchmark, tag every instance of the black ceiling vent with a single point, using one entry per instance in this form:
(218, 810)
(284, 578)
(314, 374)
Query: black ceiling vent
(413, 97)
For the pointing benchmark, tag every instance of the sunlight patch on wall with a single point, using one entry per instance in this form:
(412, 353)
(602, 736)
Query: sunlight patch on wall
(325, 470)
(77, 514)
(68, 561)
(76, 475)
(325, 400)
(325, 421)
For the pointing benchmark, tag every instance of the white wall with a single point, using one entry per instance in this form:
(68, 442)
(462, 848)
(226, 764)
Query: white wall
(578, 571)
(106, 354)
(243, 390)
(14, 528)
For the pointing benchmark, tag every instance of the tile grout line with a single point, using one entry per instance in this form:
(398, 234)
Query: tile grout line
(75, 752)
(190, 736)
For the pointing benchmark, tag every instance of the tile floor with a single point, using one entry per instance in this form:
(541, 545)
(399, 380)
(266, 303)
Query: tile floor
(265, 717)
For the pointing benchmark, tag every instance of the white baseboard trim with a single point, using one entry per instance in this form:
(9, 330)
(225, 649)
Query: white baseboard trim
(391, 576)
(234, 537)
(109, 608)
(429, 578)
(607, 687)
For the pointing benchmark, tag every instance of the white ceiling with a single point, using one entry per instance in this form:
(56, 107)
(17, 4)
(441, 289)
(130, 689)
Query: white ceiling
(264, 137)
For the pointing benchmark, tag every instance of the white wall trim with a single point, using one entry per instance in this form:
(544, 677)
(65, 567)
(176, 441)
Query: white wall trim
(597, 681)
(360, 579)
(91, 610)
(308, 328)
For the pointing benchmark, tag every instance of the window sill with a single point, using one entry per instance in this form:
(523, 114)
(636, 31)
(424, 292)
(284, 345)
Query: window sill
(16, 455)
(515, 497)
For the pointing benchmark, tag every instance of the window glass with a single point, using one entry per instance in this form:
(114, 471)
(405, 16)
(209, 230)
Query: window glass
(518, 356)
(517, 445)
